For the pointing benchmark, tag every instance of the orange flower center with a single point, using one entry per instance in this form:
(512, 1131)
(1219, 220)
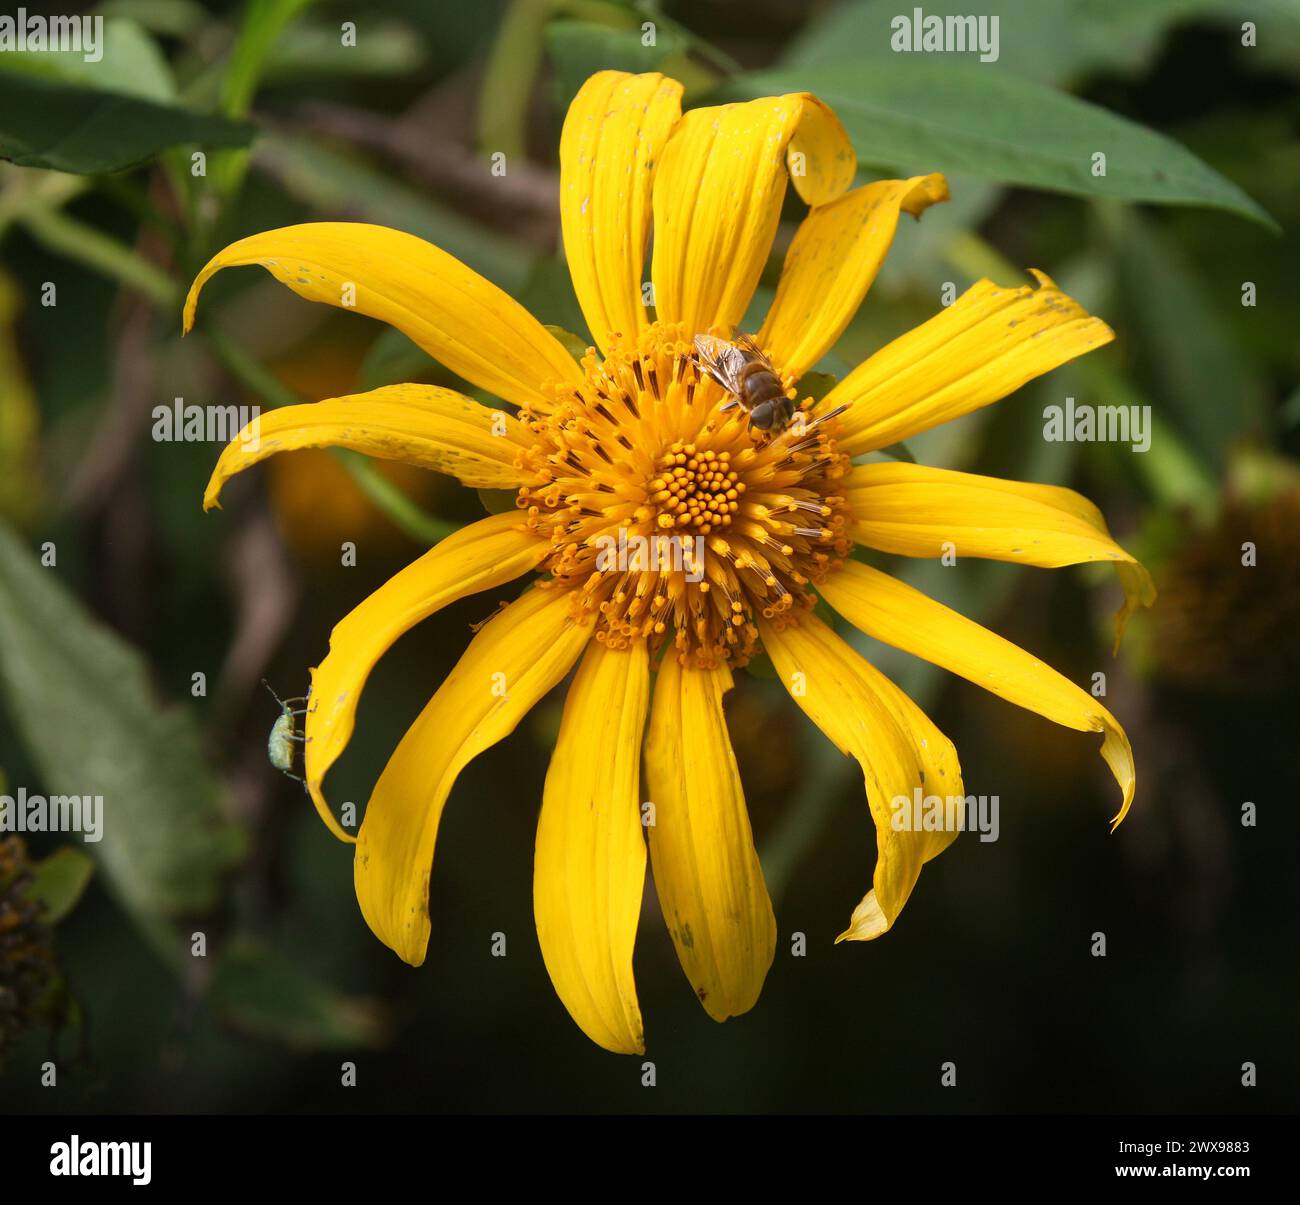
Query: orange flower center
(669, 517)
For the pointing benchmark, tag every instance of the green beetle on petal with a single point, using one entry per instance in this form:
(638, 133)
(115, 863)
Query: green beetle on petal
(280, 745)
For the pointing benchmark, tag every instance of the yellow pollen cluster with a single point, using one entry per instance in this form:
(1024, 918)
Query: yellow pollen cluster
(668, 517)
(698, 490)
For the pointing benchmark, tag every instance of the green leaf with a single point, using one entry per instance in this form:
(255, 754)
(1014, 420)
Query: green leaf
(388, 50)
(79, 697)
(547, 293)
(816, 385)
(919, 115)
(335, 181)
(1183, 346)
(263, 23)
(130, 62)
(898, 451)
(393, 359)
(263, 993)
(1289, 413)
(169, 18)
(69, 128)
(58, 881)
(1051, 41)
(575, 345)
(578, 49)
(497, 502)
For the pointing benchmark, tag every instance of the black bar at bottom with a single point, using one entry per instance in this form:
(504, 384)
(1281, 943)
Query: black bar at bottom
(381, 1153)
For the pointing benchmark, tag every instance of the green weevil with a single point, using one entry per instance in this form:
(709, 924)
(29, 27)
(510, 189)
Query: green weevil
(284, 733)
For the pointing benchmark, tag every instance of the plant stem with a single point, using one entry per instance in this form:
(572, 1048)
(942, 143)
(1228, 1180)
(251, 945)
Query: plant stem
(976, 258)
(504, 95)
(23, 191)
(415, 522)
(1169, 469)
(264, 21)
(67, 236)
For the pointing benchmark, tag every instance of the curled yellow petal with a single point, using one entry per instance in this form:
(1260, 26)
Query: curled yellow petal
(614, 133)
(453, 313)
(911, 510)
(589, 871)
(515, 659)
(899, 749)
(707, 874)
(835, 255)
(896, 614)
(718, 194)
(988, 343)
(484, 555)
(423, 425)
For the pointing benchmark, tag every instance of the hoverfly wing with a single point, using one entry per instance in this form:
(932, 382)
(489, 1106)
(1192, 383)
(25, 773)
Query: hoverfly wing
(723, 361)
(747, 343)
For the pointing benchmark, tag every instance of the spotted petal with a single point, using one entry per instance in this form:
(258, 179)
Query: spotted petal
(483, 555)
(988, 343)
(458, 317)
(911, 510)
(835, 255)
(589, 872)
(614, 134)
(718, 194)
(897, 746)
(513, 661)
(707, 874)
(895, 613)
(422, 425)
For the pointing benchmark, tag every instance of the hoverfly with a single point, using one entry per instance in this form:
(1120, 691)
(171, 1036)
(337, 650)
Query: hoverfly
(741, 367)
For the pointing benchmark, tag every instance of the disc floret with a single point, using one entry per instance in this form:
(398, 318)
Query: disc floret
(667, 516)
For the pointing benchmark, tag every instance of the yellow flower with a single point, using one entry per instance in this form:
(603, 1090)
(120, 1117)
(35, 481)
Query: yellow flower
(636, 440)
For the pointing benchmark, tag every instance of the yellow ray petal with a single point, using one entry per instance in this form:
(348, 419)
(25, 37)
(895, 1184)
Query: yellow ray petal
(614, 133)
(835, 255)
(899, 749)
(458, 317)
(513, 661)
(423, 425)
(896, 614)
(589, 872)
(707, 875)
(718, 194)
(485, 554)
(912, 510)
(988, 343)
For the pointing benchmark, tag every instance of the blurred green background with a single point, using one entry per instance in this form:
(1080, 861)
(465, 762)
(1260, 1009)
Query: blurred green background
(990, 965)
